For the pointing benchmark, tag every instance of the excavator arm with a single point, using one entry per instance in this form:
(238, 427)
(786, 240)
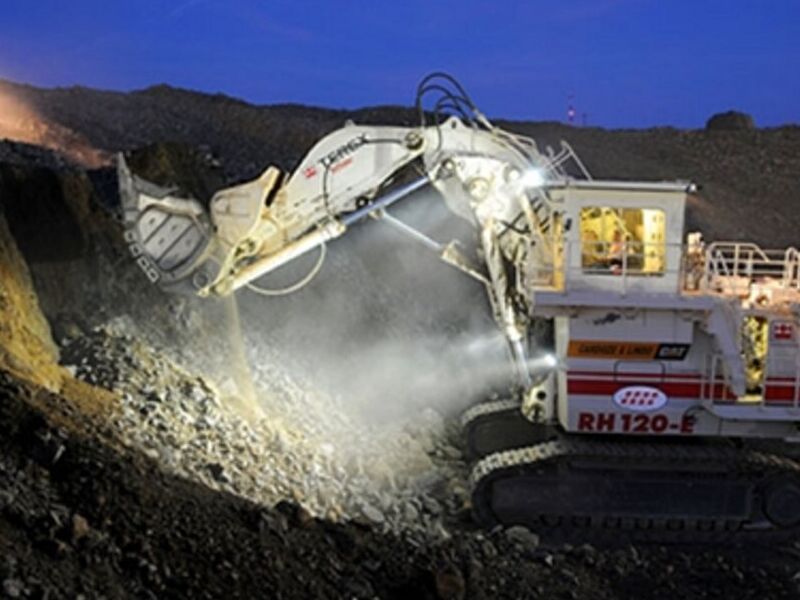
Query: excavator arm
(257, 226)
(488, 176)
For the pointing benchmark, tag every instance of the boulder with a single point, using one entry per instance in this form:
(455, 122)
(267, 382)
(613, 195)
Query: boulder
(730, 121)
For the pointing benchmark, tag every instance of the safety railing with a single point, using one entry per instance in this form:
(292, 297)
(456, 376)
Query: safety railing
(791, 270)
(721, 268)
(797, 374)
(557, 161)
(772, 392)
(715, 384)
(794, 382)
(610, 265)
(730, 268)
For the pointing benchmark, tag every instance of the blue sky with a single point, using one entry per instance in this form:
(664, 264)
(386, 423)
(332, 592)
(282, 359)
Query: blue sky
(624, 63)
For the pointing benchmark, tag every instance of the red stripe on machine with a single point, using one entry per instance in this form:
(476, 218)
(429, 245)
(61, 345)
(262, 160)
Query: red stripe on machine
(779, 390)
(608, 387)
(617, 375)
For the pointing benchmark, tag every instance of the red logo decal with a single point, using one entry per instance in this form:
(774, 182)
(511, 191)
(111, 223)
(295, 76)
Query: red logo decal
(782, 331)
(341, 165)
(639, 398)
(310, 172)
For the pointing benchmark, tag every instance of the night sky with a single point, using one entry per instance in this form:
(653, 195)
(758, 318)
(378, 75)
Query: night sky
(621, 63)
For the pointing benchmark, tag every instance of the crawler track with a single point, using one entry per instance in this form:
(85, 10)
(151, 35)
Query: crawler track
(656, 491)
(628, 489)
(499, 425)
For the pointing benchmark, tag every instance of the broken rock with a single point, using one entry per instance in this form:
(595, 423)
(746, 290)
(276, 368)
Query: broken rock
(80, 527)
(523, 536)
(450, 583)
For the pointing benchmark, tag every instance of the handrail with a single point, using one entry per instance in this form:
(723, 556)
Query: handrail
(796, 395)
(714, 265)
(628, 263)
(739, 247)
(571, 152)
(726, 268)
(555, 160)
(710, 381)
(797, 373)
(727, 262)
(791, 269)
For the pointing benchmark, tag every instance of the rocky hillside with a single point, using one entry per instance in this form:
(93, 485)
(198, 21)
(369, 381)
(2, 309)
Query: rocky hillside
(27, 349)
(749, 178)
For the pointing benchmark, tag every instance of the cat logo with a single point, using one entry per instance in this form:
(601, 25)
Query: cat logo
(614, 350)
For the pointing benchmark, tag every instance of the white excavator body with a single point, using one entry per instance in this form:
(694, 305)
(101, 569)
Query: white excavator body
(617, 325)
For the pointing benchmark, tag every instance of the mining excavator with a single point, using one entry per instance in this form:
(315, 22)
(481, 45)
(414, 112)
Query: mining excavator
(652, 373)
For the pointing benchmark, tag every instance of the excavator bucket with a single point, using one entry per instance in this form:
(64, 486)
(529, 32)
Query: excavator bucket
(185, 248)
(169, 236)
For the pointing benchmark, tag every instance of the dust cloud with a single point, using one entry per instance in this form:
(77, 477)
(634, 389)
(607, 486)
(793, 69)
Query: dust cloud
(386, 327)
(243, 393)
(357, 375)
(17, 122)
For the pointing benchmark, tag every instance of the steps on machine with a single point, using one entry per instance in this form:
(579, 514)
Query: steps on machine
(775, 395)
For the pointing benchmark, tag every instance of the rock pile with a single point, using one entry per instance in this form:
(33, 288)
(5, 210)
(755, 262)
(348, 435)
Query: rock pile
(92, 522)
(296, 445)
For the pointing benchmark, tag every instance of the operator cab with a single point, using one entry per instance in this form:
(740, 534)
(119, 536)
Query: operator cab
(622, 237)
(635, 308)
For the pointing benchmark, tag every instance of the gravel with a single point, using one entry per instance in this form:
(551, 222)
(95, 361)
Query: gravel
(281, 449)
(105, 523)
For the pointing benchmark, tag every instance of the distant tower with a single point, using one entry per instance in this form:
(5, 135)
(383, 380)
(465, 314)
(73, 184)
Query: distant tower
(571, 112)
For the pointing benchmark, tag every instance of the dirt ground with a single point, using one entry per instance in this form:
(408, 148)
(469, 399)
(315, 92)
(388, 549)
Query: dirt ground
(79, 518)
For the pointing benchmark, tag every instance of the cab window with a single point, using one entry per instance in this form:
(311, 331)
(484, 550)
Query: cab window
(614, 240)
